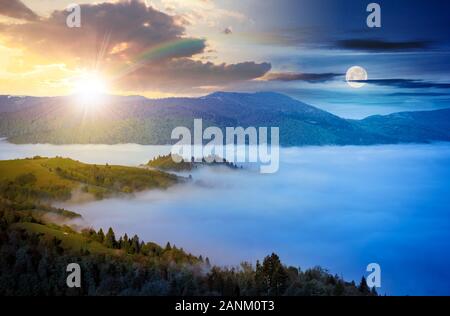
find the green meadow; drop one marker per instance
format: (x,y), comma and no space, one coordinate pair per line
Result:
(56,179)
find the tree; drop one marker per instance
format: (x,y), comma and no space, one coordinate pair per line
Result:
(259,279)
(339,288)
(274,275)
(135,245)
(374,291)
(110,239)
(363,288)
(101,235)
(126,243)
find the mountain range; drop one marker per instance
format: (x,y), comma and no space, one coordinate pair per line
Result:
(135,119)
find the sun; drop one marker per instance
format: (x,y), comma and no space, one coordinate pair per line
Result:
(90,87)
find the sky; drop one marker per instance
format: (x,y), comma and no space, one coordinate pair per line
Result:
(164,48)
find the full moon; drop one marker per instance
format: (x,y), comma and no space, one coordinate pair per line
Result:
(356,73)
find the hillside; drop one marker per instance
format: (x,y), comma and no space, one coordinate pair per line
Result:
(406,127)
(134,119)
(34,257)
(48,179)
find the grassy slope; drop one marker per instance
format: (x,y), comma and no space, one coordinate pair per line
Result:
(56,178)
(11,169)
(69,238)
(73,241)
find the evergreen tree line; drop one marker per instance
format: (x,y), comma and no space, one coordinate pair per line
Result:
(35,264)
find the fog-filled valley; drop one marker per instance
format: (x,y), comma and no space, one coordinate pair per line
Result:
(338,207)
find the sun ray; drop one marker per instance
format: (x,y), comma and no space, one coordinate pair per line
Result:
(90,88)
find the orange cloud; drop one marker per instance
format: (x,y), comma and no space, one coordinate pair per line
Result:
(134,45)
(16,9)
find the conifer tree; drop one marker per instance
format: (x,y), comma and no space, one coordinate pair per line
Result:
(101,235)
(339,288)
(126,243)
(374,291)
(274,275)
(135,245)
(363,288)
(110,239)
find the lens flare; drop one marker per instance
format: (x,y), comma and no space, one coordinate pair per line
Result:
(90,88)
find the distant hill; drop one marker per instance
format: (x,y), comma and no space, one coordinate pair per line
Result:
(167,163)
(134,119)
(420,126)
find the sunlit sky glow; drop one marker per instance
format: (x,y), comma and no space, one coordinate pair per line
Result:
(160,48)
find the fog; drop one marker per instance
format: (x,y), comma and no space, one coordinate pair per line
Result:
(123,154)
(338,207)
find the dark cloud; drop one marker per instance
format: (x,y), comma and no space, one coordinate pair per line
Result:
(184,73)
(16,9)
(309,77)
(323,22)
(120,30)
(130,42)
(406,83)
(374,45)
(419,94)
(228,30)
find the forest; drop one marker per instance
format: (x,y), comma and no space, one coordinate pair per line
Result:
(34,257)
(151,121)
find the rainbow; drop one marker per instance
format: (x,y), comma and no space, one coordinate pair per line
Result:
(171,49)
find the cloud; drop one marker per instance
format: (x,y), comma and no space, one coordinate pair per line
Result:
(104,27)
(228,30)
(185,74)
(294,76)
(374,45)
(419,94)
(203,13)
(406,83)
(16,9)
(135,44)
